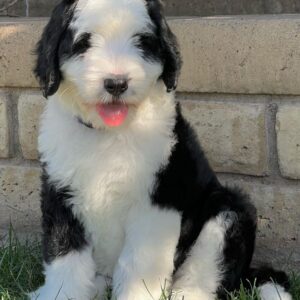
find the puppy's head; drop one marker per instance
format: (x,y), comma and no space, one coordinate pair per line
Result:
(103,58)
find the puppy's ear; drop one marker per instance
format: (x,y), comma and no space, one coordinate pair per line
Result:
(169,46)
(47,68)
(171,56)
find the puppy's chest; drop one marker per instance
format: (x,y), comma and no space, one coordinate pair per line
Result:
(108,177)
(109,188)
(103,203)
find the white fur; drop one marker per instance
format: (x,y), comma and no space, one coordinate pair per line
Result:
(146,263)
(68,277)
(272,291)
(201,273)
(102,285)
(104,16)
(110,171)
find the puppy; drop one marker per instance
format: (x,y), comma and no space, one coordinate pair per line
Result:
(128,198)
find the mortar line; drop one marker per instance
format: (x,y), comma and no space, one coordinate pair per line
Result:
(274,181)
(18,162)
(11,124)
(271,137)
(233,98)
(14,98)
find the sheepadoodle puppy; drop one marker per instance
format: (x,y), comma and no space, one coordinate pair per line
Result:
(128,199)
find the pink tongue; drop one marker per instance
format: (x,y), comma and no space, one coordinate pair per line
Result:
(113,114)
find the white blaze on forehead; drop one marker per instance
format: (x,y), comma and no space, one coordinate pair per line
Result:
(109,17)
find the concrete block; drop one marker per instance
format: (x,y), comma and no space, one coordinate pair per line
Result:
(4,131)
(30,108)
(232,135)
(278,238)
(249,55)
(288,140)
(33,8)
(18,39)
(19,198)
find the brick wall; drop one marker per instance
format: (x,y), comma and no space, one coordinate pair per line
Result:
(240,88)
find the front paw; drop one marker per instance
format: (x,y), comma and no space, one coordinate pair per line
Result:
(50,293)
(47,293)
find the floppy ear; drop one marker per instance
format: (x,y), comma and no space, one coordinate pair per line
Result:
(170,53)
(171,56)
(47,68)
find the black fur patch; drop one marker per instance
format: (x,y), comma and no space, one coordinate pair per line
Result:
(56,45)
(239,241)
(150,46)
(82,44)
(168,46)
(62,232)
(48,63)
(267,274)
(188,185)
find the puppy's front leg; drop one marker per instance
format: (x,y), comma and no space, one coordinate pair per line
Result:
(68,262)
(146,264)
(70,276)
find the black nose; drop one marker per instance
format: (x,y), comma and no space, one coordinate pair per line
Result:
(115,86)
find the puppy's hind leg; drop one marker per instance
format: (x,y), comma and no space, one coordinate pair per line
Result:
(221,255)
(201,274)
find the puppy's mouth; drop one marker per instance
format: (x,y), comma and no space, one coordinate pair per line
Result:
(113,114)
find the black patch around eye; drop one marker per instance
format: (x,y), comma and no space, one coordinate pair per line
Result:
(82,44)
(150,46)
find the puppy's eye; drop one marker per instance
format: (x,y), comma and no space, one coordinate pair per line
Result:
(82,44)
(150,46)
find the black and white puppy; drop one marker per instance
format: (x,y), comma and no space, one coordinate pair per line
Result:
(127,193)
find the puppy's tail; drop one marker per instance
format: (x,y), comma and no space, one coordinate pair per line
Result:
(271,284)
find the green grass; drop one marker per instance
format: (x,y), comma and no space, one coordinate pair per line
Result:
(21,272)
(20,267)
